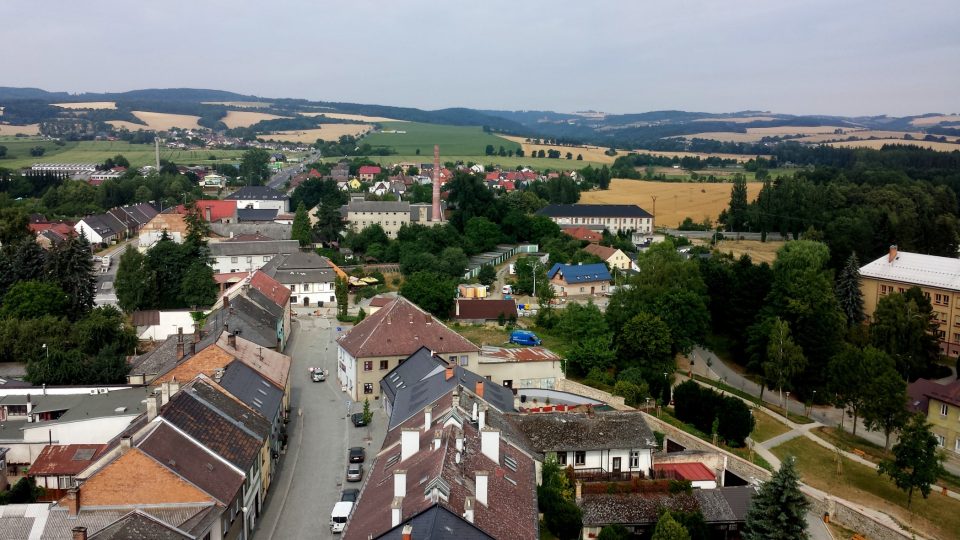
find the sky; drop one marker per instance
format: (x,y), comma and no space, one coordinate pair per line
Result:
(838,57)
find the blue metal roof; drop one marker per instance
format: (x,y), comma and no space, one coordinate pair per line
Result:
(580,273)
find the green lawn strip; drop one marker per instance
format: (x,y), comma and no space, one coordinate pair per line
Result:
(936,517)
(666,414)
(767,427)
(872,452)
(98,151)
(408,137)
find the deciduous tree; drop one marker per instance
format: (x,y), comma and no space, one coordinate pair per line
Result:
(135,283)
(255,166)
(668,529)
(917,459)
(34,299)
(784,358)
(885,408)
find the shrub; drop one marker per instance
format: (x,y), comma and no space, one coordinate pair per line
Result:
(701,407)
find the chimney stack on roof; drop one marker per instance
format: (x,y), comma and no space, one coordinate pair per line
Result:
(482,419)
(437,438)
(174,386)
(482,477)
(79,533)
(180,350)
(479,389)
(893,253)
(153,406)
(490,444)
(407,532)
(232,340)
(449,375)
(427,417)
(468,504)
(125,443)
(399,483)
(73,501)
(396,511)
(409,443)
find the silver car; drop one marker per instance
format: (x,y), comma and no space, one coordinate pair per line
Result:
(354,472)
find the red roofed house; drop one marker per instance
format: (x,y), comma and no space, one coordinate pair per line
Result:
(58,464)
(696,473)
(367,173)
(214,210)
(384,339)
(583,233)
(495,175)
(481,311)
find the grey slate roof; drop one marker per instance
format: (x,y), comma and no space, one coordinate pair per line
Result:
(59,525)
(251,321)
(273,230)
(594,210)
(437,523)
(263,247)
(249,387)
(137,525)
(409,372)
(257,193)
(164,357)
(256,214)
(300,267)
(413,395)
(548,432)
(726,504)
(127,402)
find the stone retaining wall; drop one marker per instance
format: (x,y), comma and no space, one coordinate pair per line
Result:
(566,385)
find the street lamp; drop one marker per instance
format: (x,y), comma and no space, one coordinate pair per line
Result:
(46,350)
(786,405)
(534,273)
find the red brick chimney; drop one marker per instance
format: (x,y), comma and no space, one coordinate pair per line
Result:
(73,502)
(893,253)
(449,374)
(79,533)
(407,532)
(479,389)
(179,350)
(232,340)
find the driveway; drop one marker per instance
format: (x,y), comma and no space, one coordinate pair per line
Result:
(312,473)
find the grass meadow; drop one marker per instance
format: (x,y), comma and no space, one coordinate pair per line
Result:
(18,153)
(453,140)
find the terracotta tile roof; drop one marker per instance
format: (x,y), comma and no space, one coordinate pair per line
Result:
(274,366)
(271,288)
(947,393)
(229,277)
(603,252)
(483,309)
(582,233)
(511,509)
(380,301)
(65,459)
(399,329)
(192,462)
(688,471)
(213,210)
(368,169)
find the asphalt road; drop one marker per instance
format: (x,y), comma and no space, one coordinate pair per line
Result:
(312,473)
(105,293)
(278,179)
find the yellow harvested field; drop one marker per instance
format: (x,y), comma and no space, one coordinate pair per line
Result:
(241,104)
(755,134)
(675,200)
(934,120)
(740,120)
(757,250)
(877,143)
(120,124)
(235,119)
(357,117)
(29,129)
(861,134)
(590,153)
(327,132)
(165,121)
(87,105)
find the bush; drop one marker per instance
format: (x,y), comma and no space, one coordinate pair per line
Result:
(632,393)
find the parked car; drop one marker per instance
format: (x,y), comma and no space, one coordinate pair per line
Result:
(349,495)
(354,472)
(357,419)
(357,454)
(524,337)
(318,375)
(340,515)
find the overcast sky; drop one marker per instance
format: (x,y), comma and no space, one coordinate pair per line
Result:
(846,57)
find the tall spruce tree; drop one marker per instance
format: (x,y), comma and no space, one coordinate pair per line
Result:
(70,265)
(135,283)
(778,511)
(737,217)
(848,291)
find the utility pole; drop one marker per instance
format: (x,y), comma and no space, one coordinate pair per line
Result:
(654,224)
(156,147)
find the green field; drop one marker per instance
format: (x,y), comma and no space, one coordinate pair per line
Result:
(505,163)
(18,153)
(453,140)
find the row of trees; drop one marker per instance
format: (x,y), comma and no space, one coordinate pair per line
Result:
(725,416)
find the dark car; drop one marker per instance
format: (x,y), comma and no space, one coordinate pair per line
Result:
(354,472)
(357,454)
(357,419)
(349,495)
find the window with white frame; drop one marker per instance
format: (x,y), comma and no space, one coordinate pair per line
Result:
(634,459)
(943,409)
(940,440)
(561,458)
(580,457)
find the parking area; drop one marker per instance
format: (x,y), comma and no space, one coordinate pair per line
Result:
(313,471)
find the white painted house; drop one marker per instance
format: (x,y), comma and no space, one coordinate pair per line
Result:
(260,198)
(602,442)
(231,256)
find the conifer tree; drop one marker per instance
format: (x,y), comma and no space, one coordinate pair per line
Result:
(301,226)
(778,511)
(848,291)
(70,265)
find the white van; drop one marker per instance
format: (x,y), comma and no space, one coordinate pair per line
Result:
(339,516)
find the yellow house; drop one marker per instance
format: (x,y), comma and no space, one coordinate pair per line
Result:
(614,257)
(937,277)
(941,404)
(354,184)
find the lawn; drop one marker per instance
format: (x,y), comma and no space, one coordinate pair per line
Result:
(408,137)
(98,151)
(767,427)
(666,414)
(935,517)
(872,452)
